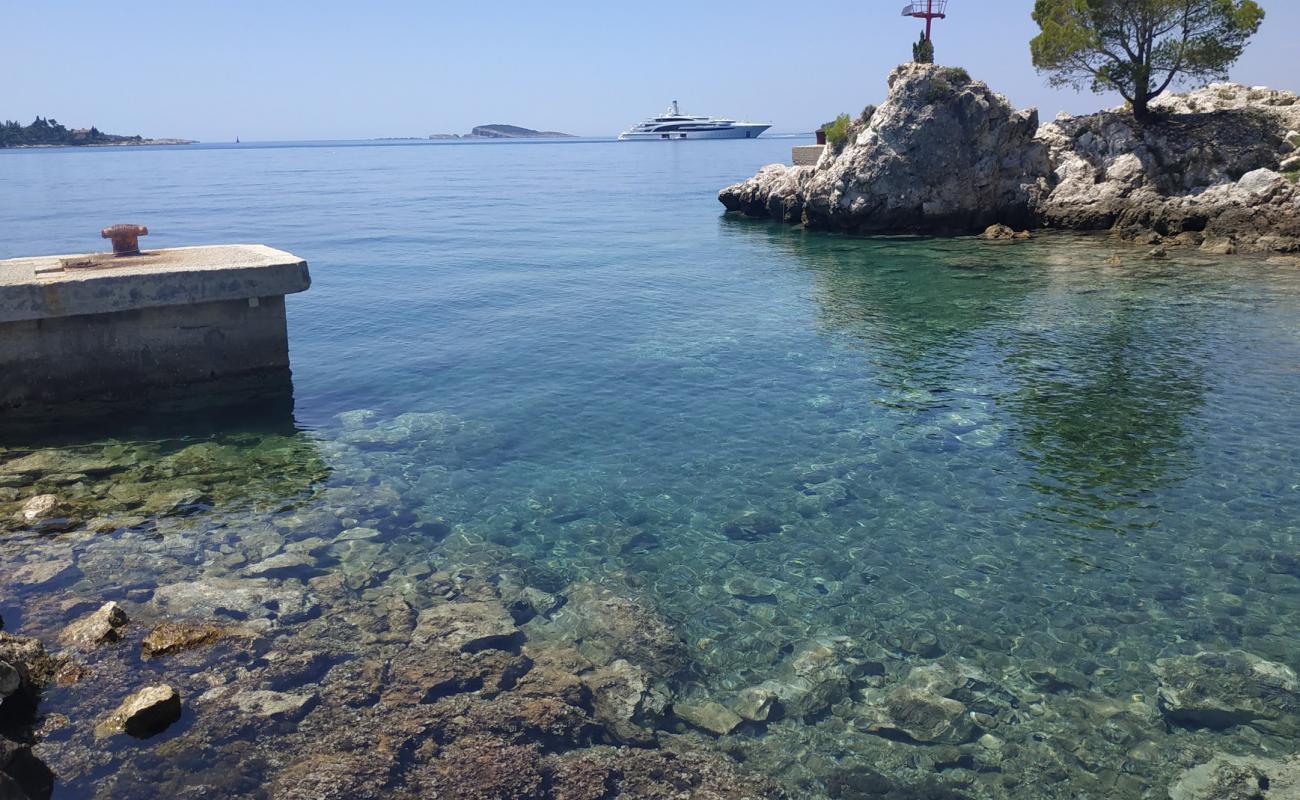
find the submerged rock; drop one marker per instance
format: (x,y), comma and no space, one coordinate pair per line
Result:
(626,699)
(35,573)
(751,526)
(467,626)
(39,508)
(810,680)
(100,626)
(265,703)
(709,716)
(924,708)
(146,713)
(170,637)
(654,774)
(1220,690)
(256,602)
(605,626)
(1240,778)
(755,703)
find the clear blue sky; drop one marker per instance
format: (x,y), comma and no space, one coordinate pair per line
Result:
(284,69)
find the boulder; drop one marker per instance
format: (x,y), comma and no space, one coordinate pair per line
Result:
(40,507)
(146,713)
(1224,689)
(1260,181)
(98,627)
(1001,233)
(942,153)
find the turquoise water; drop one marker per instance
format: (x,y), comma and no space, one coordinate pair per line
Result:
(1013,455)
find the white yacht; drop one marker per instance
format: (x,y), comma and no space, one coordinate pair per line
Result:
(673,124)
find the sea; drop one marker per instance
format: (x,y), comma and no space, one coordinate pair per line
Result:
(1045,466)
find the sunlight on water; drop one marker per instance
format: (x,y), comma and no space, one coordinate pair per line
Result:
(561,364)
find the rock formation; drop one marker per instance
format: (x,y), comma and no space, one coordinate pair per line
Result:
(944,153)
(1208,169)
(24,670)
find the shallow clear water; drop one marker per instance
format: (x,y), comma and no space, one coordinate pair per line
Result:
(1015,454)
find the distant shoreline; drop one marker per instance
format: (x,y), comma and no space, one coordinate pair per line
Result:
(133,143)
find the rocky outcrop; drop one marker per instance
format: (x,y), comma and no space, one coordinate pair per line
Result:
(943,153)
(25,669)
(1210,169)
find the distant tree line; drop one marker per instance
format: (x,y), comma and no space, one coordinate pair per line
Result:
(50,132)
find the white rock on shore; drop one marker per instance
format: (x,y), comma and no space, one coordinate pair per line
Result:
(944,153)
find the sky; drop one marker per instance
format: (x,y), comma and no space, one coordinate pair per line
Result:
(267,70)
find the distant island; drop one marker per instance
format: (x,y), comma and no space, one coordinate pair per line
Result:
(49,133)
(504,132)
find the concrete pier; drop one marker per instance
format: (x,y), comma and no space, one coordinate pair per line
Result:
(86,326)
(806,155)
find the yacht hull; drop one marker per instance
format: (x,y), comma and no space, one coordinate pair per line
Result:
(731,132)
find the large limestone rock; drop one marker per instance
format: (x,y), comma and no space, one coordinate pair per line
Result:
(1208,169)
(1219,166)
(1221,690)
(942,153)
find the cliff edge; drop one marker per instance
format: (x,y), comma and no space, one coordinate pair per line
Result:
(945,154)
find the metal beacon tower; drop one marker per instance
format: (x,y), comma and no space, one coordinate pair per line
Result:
(928,10)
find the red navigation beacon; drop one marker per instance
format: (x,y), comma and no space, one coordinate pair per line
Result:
(928,10)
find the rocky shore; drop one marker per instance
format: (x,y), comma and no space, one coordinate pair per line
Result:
(287,618)
(945,154)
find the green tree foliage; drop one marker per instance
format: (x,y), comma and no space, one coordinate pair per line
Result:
(1140,47)
(50,132)
(837,132)
(923,51)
